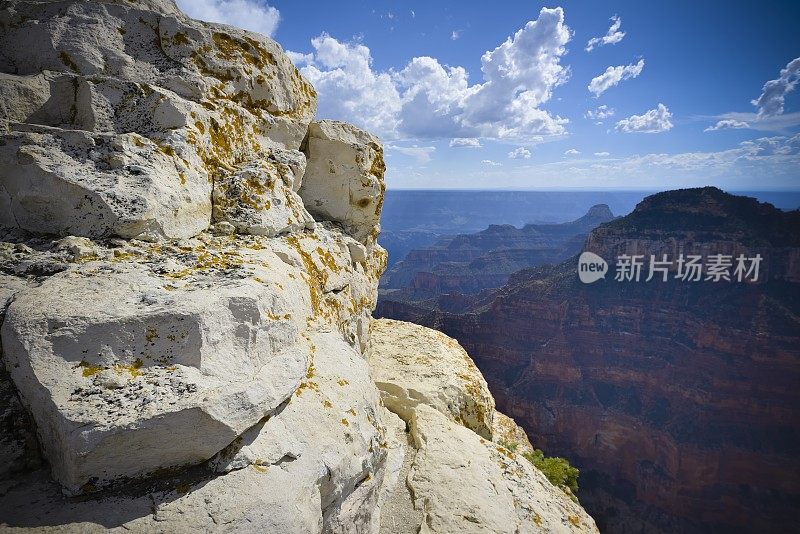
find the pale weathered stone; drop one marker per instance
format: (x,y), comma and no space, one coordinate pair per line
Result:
(343,181)
(467,484)
(414,365)
(123,375)
(509,434)
(315,466)
(195,100)
(260,198)
(61,182)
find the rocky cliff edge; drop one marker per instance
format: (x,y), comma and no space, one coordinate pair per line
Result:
(188,266)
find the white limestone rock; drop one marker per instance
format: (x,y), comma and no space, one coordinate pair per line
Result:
(414,365)
(507,433)
(260,198)
(127,369)
(131,348)
(343,291)
(117,117)
(464,483)
(315,465)
(343,181)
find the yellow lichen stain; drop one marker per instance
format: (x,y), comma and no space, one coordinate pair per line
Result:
(260,466)
(180,38)
(574,520)
(133,369)
(182,178)
(345,422)
(89,369)
(327,404)
(351,412)
(200,127)
(342,382)
(537,519)
(313,386)
(67,60)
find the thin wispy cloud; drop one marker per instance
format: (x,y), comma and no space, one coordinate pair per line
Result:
(612,36)
(465,142)
(421,153)
(601,113)
(727,124)
(520,153)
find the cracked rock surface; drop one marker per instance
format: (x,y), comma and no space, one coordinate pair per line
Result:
(188,267)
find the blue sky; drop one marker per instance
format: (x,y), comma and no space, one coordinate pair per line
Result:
(501,95)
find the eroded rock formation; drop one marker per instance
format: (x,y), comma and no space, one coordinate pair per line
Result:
(188,266)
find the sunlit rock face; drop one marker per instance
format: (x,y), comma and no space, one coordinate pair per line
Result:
(188,267)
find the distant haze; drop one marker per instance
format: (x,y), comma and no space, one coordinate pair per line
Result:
(449,212)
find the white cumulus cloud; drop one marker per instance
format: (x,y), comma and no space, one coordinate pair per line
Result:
(455,35)
(612,36)
(426,99)
(601,113)
(727,124)
(613,75)
(254,15)
(602,154)
(298,58)
(520,153)
(465,142)
(572,152)
(653,121)
(349,89)
(491,163)
(774,91)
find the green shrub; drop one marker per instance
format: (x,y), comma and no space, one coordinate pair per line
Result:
(556,469)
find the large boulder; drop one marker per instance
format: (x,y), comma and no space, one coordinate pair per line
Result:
(124,372)
(118,118)
(316,465)
(147,357)
(414,365)
(343,181)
